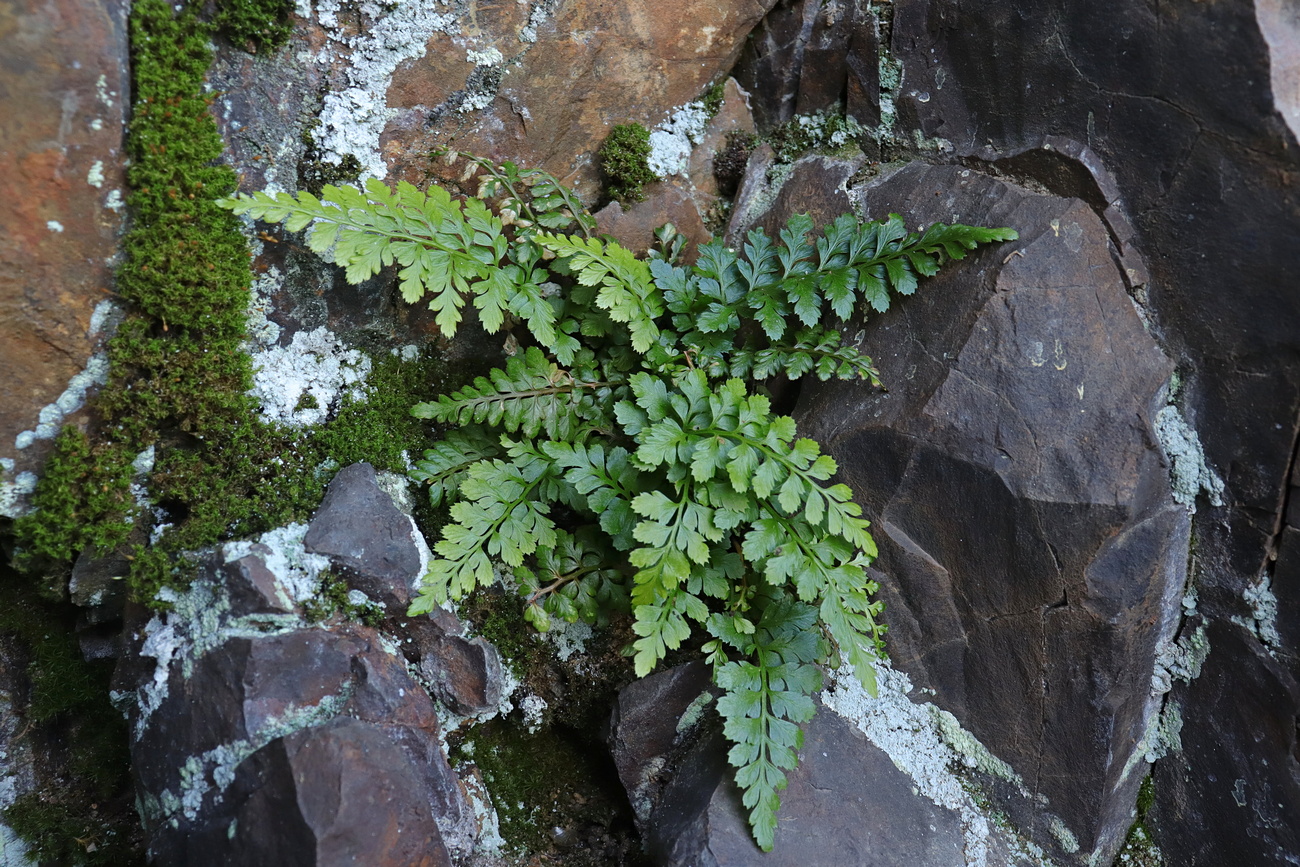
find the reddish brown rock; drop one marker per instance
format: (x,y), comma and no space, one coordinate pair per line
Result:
(593,65)
(63,89)
(667,202)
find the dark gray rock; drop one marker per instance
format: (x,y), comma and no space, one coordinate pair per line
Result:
(797,60)
(1207,171)
(1030,545)
(341,793)
(252,733)
(367,537)
(846,803)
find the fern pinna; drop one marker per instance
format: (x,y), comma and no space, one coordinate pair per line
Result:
(637,406)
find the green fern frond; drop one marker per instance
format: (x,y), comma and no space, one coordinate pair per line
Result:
(682,497)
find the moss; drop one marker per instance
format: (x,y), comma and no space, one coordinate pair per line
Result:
(729,163)
(332,601)
(1139,849)
(84,499)
(712,98)
(81,812)
(823,132)
(624,160)
(314,171)
(260,25)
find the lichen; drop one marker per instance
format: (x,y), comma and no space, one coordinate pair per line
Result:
(909,733)
(353,118)
(1263,613)
(1189,473)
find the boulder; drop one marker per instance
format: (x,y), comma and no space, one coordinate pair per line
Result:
(243,713)
(1029,542)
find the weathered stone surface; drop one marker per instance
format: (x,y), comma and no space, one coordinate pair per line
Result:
(364,534)
(816,186)
(666,202)
(1021,389)
(1208,173)
(1240,708)
(239,712)
(797,61)
(592,66)
(464,673)
(63,88)
(254,588)
(336,794)
(734,117)
(846,803)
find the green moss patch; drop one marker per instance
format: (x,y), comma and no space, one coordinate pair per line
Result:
(624,160)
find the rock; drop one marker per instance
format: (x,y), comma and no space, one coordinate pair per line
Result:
(815,185)
(241,714)
(1023,387)
(846,803)
(797,60)
(551,103)
(1208,175)
(335,794)
(1213,776)
(65,87)
(666,202)
(253,587)
(644,729)
(464,673)
(734,117)
(368,538)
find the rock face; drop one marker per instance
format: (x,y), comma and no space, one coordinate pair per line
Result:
(63,94)
(1029,539)
(1207,172)
(848,802)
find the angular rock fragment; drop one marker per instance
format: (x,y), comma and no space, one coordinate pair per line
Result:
(367,537)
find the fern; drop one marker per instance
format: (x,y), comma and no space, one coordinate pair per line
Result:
(624,461)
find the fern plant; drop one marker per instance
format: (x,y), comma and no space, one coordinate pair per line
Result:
(628,459)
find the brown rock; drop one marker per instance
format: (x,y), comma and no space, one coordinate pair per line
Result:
(734,116)
(593,65)
(464,673)
(666,202)
(63,93)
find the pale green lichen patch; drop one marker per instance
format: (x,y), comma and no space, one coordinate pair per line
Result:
(1189,473)
(909,733)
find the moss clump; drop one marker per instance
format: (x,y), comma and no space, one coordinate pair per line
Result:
(259,25)
(1139,849)
(624,158)
(712,98)
(83,500)
(730,162)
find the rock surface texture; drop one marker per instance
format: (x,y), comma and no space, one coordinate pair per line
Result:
(1029,539)
(64,94)
(1205,165)
(257,734)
